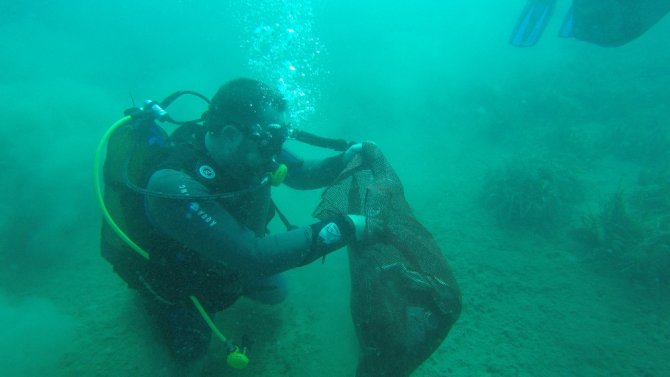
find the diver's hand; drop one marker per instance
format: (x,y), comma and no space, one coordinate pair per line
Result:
(334,230)
(339,230)
(367,229)
(350,153)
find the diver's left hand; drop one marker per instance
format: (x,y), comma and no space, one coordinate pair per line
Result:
(350,153)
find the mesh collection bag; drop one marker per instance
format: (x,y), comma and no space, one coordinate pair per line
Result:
(404,297)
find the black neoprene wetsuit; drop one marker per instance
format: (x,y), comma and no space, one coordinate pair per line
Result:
(214,249)
(231,232)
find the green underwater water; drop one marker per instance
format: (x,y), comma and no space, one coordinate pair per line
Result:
(543,173)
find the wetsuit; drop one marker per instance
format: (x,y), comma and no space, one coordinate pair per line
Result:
(231,231)
(216,249)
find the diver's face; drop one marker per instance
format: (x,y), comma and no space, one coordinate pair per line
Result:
(249,154)
(259,147)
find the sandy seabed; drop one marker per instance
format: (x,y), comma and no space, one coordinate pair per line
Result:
(533,306)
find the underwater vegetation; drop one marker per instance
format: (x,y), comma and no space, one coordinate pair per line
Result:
(648,143)
(531,194)
(631,232)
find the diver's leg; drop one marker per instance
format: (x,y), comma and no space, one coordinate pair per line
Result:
(183,329)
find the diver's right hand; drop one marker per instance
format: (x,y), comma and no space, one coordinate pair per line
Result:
(339,230)
(367,229)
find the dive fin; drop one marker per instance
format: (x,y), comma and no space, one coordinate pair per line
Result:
(531,23)
(568,24)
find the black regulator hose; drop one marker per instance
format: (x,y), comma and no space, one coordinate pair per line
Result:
(339,145)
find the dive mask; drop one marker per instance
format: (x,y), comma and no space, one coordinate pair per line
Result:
(269,137)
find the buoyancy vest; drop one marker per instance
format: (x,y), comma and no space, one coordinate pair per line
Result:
(173,272)
(247,201)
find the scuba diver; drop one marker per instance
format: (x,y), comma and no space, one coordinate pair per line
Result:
(608,23)
(195,206)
